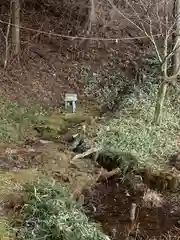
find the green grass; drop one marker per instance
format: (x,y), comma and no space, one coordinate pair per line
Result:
(50,213)
(5,233)
(15,120)
(133,132)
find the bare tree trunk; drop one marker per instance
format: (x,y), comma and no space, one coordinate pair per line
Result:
(7,43)
(160,102)
(176,60)
(15,27)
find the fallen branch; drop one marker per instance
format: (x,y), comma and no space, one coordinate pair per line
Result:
(87,153)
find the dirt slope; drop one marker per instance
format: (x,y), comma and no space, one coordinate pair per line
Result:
(51,65)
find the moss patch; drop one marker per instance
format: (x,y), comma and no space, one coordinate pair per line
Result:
(17,120)
(56,124)
(5,233)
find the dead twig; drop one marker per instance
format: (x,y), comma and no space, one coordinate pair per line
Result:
(7,43)
(106,175)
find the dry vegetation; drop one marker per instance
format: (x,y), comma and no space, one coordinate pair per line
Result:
(51,64)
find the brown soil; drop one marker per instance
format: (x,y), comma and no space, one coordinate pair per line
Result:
(49,66)
(48,158)
(110,204)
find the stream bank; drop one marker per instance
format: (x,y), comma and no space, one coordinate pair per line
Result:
(110,204)
(107,199)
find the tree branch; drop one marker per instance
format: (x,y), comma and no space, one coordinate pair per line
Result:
(124,16)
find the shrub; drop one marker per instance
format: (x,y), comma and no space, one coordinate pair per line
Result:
(50,213)
(106,89)
(152,67)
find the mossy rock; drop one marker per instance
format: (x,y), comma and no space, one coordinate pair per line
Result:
(57,124)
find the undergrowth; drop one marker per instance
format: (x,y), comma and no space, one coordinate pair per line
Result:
(15,120)
(133,132)
(50,213)
(105,90)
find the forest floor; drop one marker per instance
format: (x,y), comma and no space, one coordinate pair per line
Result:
(107,201)
(33,147)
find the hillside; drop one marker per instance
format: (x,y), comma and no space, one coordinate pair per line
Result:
(109,170)
(51,65)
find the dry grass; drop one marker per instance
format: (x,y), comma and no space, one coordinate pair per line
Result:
(174,234)
(12,197)
(152,199)
(11,182)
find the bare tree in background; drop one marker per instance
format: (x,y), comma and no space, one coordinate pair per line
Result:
(153,19)
(15,27)
(6,38)
(177,33)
